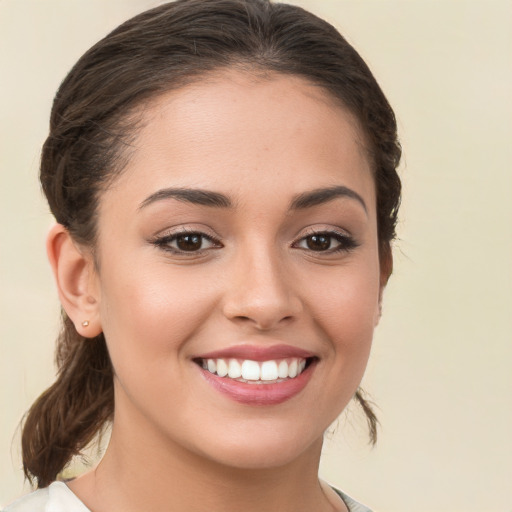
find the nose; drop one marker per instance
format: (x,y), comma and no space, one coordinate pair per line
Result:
(260,292)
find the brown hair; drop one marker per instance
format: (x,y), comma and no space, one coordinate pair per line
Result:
(91,123)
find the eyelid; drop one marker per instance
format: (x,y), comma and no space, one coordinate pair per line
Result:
(346,241)
(163,239)
(318,229)
(185,229)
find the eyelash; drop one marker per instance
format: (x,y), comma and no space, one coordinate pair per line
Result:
(346,243)
(165,241)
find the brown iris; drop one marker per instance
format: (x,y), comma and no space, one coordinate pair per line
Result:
(189,242)
(318,242)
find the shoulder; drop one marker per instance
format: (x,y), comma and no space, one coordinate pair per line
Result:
(352,505)
(34,502)
(55,498)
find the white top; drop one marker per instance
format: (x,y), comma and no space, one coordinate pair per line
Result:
(58,497)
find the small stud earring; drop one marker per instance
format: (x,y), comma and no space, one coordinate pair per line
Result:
(85,323)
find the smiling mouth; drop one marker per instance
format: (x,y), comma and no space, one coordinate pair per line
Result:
(256,372)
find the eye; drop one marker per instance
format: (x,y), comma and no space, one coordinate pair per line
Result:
(187,242)
(326,241)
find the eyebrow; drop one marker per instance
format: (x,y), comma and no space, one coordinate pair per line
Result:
(189,195)
(217,200)
(323,195)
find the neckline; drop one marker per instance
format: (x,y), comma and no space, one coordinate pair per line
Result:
(62,486)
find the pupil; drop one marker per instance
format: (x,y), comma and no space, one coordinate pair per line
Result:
(189,242)
(319,242)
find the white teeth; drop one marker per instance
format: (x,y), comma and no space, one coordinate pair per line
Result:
(235,370)
(292,369)
(249,370)
(222,368)
(282,369)
(269,370)
(212,366)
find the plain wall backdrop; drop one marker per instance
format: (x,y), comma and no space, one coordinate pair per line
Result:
(440,371)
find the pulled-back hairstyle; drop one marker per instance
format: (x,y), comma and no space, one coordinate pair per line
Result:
(91,124)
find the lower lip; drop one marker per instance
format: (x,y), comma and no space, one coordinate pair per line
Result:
(259,394)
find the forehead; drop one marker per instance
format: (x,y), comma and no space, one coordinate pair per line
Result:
(236,128)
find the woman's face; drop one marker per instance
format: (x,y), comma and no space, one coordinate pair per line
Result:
(241,237)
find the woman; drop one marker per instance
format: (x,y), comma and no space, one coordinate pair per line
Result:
(223,176)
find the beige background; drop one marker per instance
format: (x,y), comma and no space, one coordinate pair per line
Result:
(441,367)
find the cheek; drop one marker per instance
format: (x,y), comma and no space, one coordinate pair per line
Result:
(150,316)
(346,306)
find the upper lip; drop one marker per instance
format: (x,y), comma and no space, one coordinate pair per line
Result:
(257,353)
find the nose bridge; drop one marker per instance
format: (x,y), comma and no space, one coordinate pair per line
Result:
(260,289)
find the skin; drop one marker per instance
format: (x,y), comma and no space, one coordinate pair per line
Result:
(261,142)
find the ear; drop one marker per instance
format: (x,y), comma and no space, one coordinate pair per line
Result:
(386,268)
(76,280)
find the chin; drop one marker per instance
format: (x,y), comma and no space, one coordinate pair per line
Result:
(266,448)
